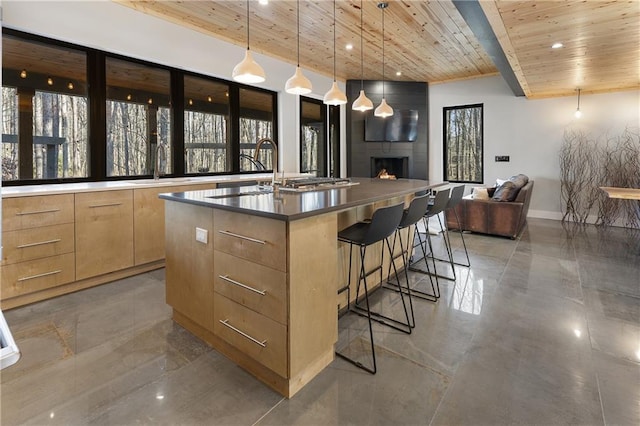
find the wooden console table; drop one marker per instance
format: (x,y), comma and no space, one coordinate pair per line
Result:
(622,193)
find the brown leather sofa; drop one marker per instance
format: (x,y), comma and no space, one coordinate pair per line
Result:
(503,218)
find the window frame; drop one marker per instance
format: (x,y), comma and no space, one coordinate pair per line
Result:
(97,132)
(445,142)
(324,116)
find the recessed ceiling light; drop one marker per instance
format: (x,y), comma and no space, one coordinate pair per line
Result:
(349,46)
(557,45)
(398,73)
(263,2)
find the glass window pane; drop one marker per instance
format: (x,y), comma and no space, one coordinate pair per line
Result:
(206,118)
(9,133)
(313,147)
(45,111)
(256,122)
(463,143)
(138,118)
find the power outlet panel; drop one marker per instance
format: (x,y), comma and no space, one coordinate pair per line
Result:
(502,158)
(202,235)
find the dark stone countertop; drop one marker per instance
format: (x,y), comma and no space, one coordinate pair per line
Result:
(287,205)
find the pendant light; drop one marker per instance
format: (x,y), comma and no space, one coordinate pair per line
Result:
(248,71)
(334,96)
(362,103)
(298,84)
(383,110)
(578,113)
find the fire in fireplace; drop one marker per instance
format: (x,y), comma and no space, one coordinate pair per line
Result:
(394,166)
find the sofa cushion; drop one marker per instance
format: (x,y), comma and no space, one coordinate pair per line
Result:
(508,191)
(520,180)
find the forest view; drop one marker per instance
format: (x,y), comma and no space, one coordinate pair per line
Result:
(463,144)
(60,142)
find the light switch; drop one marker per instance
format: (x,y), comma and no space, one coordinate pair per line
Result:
(202,235)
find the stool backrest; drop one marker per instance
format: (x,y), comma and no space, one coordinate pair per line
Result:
(440,203)
(384,222)
(456,196)
(416,210)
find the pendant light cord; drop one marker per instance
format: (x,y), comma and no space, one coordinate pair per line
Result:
(298,4)
(334,41)
(361,52)
(383,51)
(247,24)
(578,98)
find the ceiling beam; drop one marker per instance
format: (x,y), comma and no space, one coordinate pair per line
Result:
(474,16)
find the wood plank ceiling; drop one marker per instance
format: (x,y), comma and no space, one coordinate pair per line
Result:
(430,41)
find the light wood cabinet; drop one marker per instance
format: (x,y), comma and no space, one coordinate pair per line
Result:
(104,232)
(274,302)
(148,221)
(38,244)
(189,263)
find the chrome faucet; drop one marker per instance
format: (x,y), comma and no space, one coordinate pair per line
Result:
(273,143)
(156,170)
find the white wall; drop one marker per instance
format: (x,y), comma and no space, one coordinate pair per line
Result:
(114,28)
(529,131)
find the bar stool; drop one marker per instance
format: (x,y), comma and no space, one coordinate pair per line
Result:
(439,204)
(410,217)
(454,200)
(383,223)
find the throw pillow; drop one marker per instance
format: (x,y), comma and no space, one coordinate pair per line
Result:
(520,180)
(508,191)
(480,194)
(499,182)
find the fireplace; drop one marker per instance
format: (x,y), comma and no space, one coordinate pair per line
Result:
(397,166)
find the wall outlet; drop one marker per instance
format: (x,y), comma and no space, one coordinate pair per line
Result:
(202,235)
(502,158)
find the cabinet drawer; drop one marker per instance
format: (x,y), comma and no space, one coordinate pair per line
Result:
(258,239)
(34,275)
(257,336)
(257,287)
(33,212)
(36,243)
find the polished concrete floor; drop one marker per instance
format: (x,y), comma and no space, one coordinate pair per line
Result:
(541,330)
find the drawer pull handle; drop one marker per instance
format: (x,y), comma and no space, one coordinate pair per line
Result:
(57,240)
(37,212)
(231,234)
(243,334)
(104,205)
(239,284)
(39,275)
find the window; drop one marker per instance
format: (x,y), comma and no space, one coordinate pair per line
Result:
(206,120)
(138,118)
(256,122)
(313,136)
(463,143)
(71,113)
(45,111)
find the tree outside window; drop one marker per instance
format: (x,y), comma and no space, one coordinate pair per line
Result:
(463,143)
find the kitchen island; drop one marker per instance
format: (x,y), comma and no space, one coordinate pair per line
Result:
(255,273)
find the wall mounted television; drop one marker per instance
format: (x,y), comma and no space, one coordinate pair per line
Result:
(402,126)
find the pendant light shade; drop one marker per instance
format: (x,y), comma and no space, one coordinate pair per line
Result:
(383,110)
(298,84)
(362,103)
(334,96)
(248,71)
